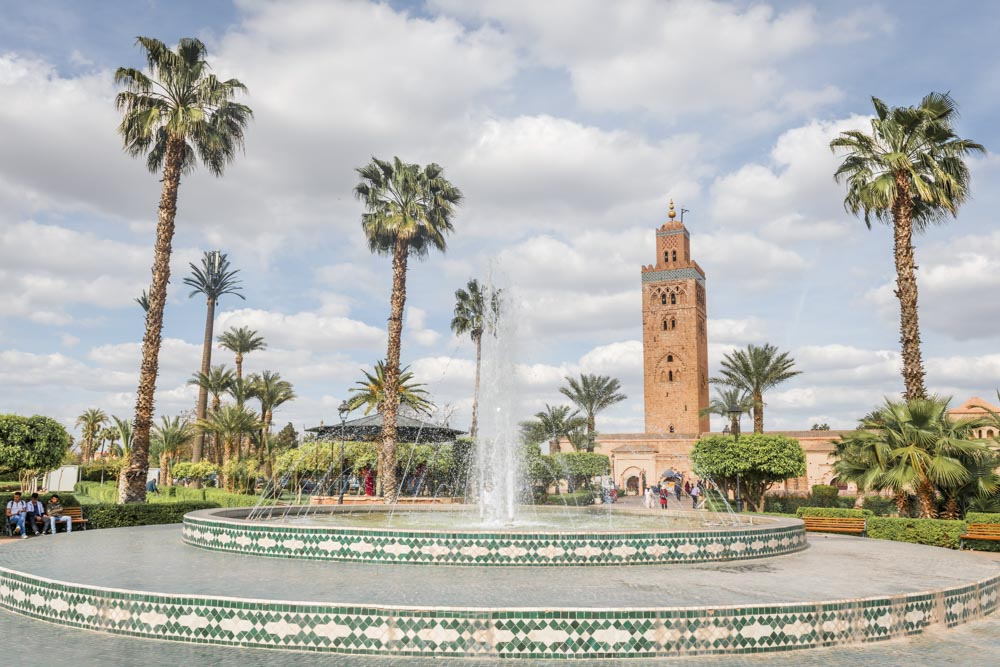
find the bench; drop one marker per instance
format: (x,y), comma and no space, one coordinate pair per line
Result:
(75,513)
(980,531)
(835,524)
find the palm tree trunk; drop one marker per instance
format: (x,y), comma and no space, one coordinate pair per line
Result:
(906,290)
(132,480)
(164,470)
(902,500)
(591,427)
(227,454)
(239,365)
(206,366)
(758,412)
(475,388)
(951,509)
(391,405)
(927,496)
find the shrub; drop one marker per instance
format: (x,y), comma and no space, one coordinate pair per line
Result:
(67,499)
(933,532)
(31,445)
(833,512)
(584,497)
(96,471)
(203,470)
(102,493)
(824,496)
(759,460)
(879,505)
(107,515)
(226,499)
(785,504)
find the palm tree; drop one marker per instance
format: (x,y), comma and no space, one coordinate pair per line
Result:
(124,429)
(271,391)
(91,422)
(727,402)
(170,436)
(229,423)
(371,393)
(218,381)
(909,172)
(212,279)
(174,116)
(554,423)
(241,341)
(473,316)
(408,210)
(591,394)
(110,435)
(143,301)
(755,370)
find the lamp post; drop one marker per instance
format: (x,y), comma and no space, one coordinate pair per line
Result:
(734,417)
(343,410)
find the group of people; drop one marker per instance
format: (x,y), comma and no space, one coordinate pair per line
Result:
(32,515)
(674,487)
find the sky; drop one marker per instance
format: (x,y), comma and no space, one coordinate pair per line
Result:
(567,125)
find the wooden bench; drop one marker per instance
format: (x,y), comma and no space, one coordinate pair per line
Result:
(989,532)
(75,513)
(835,524)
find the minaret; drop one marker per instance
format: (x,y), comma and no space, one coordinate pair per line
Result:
(674,335)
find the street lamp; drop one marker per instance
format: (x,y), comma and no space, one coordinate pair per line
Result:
(734,417)
(343,410)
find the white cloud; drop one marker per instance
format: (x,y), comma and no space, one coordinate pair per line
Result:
(304,329)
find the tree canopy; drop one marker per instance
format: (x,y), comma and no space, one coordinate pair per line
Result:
(31,444)
(760,461)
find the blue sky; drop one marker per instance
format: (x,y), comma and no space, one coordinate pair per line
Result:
(568,126)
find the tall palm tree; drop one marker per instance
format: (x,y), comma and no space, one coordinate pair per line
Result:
(408,210)
(91,422)
(177,114)
(553,423)
(475,311)
(110,435)
(370,392)
(229,423)
(271,391)
(212,279)
(241,341)
(909,173)
(592,394)
(726,402)
(218,381)
(171,435)
(755,370)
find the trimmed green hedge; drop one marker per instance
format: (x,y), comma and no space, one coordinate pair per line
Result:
(934,532)
(108,515)
(67,499)
(879,505)
(576,498)
(831,512)
(108,493)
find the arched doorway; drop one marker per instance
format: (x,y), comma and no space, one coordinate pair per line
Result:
(632,486)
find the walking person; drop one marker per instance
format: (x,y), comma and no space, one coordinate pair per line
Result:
(664,496)
(678,489)
(648,499)
(694,493)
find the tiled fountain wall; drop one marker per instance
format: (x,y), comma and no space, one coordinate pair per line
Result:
(513,633)
(221,530)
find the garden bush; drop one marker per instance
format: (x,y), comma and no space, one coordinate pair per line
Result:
(880,505)
(933,532)
(226,499)
(108,515)
(824,496)
(785,504)
(833,512)
(584,497)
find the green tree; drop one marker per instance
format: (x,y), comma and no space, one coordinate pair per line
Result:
(592,394)
(229,423)
(755,370)
(476,310)
(579,468)
(552,424)
(759,460)
(287,438)
(172,434)
(124,429)
(408,210)
(241,341)
(212,279)
(177,114)
(272,392)
(820,427)
(218,381)
(90,422)
(908,173)
(727,401)
(31,445)
(371,392)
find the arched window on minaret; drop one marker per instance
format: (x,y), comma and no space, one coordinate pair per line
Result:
(663,299)
(666,256)
(675,256)
(671,428)
(665,327)
(673,323)
(673,299)
(670,358)
(670,376)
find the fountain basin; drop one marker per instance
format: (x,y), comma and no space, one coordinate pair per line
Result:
(559,537)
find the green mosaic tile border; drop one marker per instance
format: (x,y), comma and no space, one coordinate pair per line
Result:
(208,531)
(511,633)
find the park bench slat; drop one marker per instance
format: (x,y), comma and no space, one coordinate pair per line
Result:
(834,524)
(982,531)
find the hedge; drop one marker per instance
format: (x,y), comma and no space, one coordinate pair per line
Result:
(575,498)
(108,515)
(880,505)
(108,493)
(830,512)
(933,532)
(67,499)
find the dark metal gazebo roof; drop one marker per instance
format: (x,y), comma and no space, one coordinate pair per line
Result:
(369,428)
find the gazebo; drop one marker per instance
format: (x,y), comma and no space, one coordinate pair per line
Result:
(369,428)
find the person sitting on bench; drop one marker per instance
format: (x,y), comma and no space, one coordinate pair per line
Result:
(55,509)
(15,514)
(34,517)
